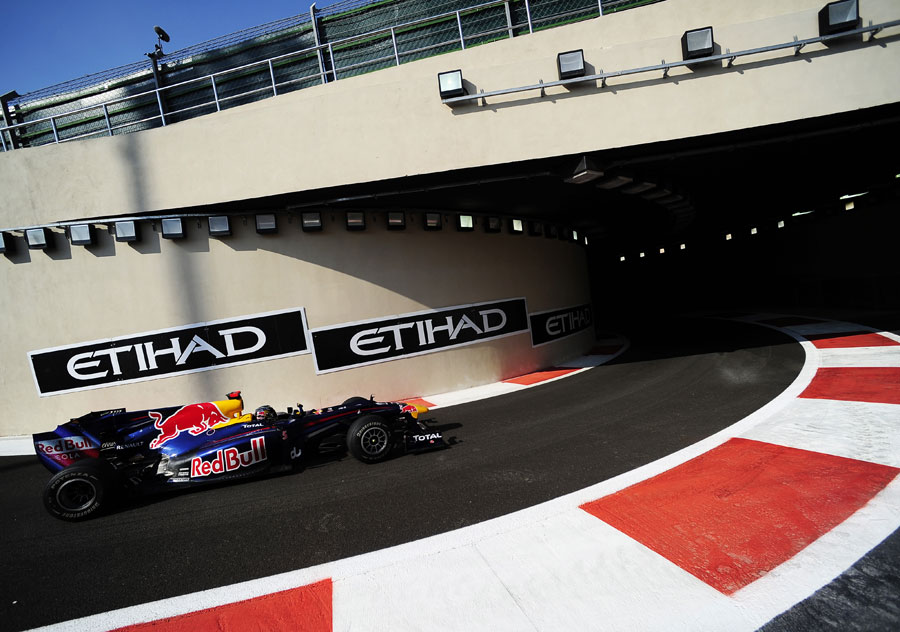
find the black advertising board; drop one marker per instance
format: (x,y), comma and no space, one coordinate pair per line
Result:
(351,345)
(559,323)
(168,352)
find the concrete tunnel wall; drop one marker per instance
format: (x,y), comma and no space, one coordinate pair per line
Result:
(382,125)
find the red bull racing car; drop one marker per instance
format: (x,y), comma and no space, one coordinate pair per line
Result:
(99,453)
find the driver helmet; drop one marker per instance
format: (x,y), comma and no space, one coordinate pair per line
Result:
(265,413)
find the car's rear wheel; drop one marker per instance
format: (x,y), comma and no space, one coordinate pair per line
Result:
(77,492)
(370,439)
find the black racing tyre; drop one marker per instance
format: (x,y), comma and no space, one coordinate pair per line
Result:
(370,439)
(77,492)
(352,401)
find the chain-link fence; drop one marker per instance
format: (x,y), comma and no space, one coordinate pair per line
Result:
(344,39)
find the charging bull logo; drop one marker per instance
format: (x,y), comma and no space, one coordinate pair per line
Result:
(193,418)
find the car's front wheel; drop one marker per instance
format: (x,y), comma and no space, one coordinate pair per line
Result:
(370,439)
(77,492)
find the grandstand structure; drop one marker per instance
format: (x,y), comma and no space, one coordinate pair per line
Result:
(166,232)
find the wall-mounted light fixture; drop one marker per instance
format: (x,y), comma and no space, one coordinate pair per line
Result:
(585,171)
(638,187)
(614,182)
(356,220)
(450,84)
(172,228)
(465,223)
(127,231)
(81,234)
(396,220)
(837,17)
(535,229)
(516,226)
(266,224)
(432,221)
(697,43)
(5,243)
(219,226)
(37,238)
(551,231)
(311,221)
(570,64)
(492,225)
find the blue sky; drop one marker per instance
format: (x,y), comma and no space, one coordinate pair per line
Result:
(47,42)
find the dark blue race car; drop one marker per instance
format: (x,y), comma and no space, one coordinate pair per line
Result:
(100,453)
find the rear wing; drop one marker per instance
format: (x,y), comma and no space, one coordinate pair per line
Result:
(64,446)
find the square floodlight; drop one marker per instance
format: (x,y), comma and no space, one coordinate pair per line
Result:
(697,43)
(574,235)
(516,227)
(432,221)
(311,221)
(266,224)
(837,17)
(396,220)
(450,84)
(551,231)
(465,223)
(356,220)
(37,238)
(81,234)
(127,231)
(570,64)
(535,229)
(219,226)
(172,228)
(492,225)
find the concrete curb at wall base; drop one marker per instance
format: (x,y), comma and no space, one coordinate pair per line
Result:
(614,552)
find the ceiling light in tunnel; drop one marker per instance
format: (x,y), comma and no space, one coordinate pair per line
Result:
(172,228)
(432,221)
(614,182)
(570,64)
(219,226)
(356,220)
(492,225)
(311,221)
(642,255)
(800,213)
(697,43)
(127,231)
(516,227)
(728,237)
(850,196)
(781,223)
(662,251)
(638,187)
(837,17)
(81,234)
(465,223)
(849,206)
(396,220)
(551,231)
(683,246)
(584,171)
(535,229)
(753,231)
(450,84)
(266,224)
(621,258)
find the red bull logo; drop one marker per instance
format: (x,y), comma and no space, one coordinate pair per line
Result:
(230,459)
(193,418)
(66,450)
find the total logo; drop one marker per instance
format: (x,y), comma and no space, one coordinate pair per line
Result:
(426,437)
(230,459)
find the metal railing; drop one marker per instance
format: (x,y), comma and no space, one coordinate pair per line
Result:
(666,67)
(325,58)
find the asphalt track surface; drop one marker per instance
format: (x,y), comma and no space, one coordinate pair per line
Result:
(679,382)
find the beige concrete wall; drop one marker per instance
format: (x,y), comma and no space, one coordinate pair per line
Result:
(391,123)
(76,294)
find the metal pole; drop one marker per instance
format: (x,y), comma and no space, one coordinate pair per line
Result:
(3,138)
(106,117)
(212,79)
(600,6)
(462,41)
(528,13)
(53,125)
(333,65)
(394,42)
(315,28)
(162,116)
(508,20)
(272,75)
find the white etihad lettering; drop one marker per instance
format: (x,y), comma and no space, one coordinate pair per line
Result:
(428,331)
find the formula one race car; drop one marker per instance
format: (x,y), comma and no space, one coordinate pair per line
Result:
(100,453)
